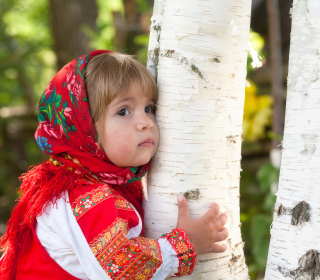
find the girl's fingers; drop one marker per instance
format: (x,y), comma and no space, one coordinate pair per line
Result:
(213,213)
(215,248)
(183,209)
(221,221)
(222,234)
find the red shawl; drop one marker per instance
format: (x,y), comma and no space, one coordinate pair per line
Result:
(65,126)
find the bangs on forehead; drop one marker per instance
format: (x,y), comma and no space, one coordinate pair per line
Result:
(147,85)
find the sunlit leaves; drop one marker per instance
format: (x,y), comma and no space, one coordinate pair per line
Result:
(257,114)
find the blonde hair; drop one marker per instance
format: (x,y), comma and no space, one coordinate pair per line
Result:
(110,74)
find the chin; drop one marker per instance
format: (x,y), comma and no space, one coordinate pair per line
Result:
(140,162)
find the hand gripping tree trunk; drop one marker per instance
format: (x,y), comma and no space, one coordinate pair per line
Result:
(295,248)
(198,53)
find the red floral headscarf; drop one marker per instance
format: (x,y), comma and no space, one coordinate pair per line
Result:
(66,125)
(67,132)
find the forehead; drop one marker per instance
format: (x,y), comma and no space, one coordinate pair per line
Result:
(133,94)
(134,91)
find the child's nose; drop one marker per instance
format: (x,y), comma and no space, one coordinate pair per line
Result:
(144,122)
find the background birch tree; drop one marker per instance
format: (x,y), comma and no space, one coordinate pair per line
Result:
(294,248)
(197,52)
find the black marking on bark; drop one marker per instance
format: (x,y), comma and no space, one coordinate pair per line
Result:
(234,258)
(207,260)
(301,213)
(231,139)
(184,60)
(280,210)
(157,27)
(196,69)
(169,53)
(192,194)
(284,210)
(215,59)
(309,267)
(156,61)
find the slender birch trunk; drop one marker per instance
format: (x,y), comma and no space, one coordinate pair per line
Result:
(198,53)
(294,249)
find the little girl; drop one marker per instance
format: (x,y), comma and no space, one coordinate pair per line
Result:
(80,215)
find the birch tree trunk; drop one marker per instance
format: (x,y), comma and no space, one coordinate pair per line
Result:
(198,53)
(295,247)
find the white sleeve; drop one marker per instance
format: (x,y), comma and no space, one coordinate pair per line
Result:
(61,236)
(170,262)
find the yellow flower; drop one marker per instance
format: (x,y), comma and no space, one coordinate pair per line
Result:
(113,230)
(185,257)
(99,246)
(132,247)
(152,242)
(185,270)
(257,113)
(77,209)
(94,250)
(97,196)
(155,260)
(121,259)
(181,247)
(123,227)
(121,203)
(140,277)
(153,253)
(147,271)
(107,237)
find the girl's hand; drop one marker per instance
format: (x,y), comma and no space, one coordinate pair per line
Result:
(205,231)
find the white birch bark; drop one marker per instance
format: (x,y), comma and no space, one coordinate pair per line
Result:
(198,52)
(295,235)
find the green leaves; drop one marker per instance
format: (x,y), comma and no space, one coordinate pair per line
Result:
(54,107)
(267,175)
(260,235)
(134,170)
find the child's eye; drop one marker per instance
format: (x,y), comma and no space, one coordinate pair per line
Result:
(150,109)
(123,112)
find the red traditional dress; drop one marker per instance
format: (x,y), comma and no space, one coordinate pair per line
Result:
(80,216)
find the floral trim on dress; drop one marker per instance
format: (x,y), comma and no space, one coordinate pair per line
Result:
(121,258)
(87,201)
(184,249)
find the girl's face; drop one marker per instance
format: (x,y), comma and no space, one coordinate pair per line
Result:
(130,132)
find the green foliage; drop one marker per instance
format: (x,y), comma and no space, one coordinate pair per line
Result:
(27,63)
(26,56)
(257,203)
(267,175)
(104,37)
(259,232)
(142,40)
(143,6)
(257,43)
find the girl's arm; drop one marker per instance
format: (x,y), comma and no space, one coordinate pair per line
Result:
(112,227)
(94,234)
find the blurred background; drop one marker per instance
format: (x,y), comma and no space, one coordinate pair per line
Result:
(38,37)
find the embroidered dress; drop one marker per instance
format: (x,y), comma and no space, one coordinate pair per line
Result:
(79,215)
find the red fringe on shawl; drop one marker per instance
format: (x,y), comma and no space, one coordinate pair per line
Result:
(41,186)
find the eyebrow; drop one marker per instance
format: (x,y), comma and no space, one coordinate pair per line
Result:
(125,99)
(122,100)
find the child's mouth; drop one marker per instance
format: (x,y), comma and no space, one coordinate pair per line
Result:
(147,143)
